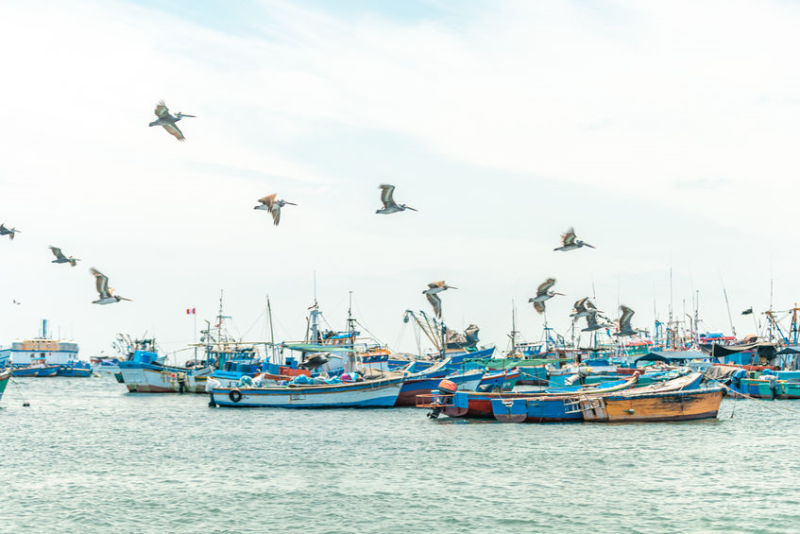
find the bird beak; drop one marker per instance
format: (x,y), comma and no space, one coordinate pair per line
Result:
(588,245)
(410,208)
(290,203)
(184,115)
(123,298)
(557,293)
(452,287)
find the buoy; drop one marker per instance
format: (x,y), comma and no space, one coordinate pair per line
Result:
(447,387)
(631,411)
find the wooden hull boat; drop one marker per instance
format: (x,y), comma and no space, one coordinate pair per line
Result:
(683,405)
(479,405)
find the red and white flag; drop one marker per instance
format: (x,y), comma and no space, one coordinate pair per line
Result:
(190,311)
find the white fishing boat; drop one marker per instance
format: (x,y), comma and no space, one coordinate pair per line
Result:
(361,394)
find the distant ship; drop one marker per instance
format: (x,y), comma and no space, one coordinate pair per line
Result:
(44,352)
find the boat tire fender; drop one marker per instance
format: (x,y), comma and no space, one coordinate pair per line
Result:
(235,395)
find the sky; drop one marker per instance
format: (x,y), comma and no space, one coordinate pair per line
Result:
(665,133)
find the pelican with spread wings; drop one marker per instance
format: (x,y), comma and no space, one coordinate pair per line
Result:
(61,258)
(569,242)
(168,120)
(583,308)
(10,232)
(543,294)
(107,295)
(433,298)
(624,323)
(389,205)
(273,205)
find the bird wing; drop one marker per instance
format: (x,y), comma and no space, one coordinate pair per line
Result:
(3,229)
(545,286)
(538,306)
(101,282)
(627,313)
(268,200)
(175,131)
(591,320)
(161,109)
(580,306)
(276,214)
(568,237)
(436,302)
(386,194)
(57,252)
(590,305)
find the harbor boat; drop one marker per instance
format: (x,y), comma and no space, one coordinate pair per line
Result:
(75,369)
(144,372)
(682,405)
(5,377)
(499,380)
(380,393)
(574,406)
(38,368)
(43,356)
(479,405)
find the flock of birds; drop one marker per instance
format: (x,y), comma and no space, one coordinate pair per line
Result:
(270,203)
(583,308)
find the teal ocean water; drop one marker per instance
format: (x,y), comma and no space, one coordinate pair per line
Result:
(87,456)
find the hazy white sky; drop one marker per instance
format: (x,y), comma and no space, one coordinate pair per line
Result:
(665,133)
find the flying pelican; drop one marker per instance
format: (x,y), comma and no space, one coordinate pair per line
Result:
(543,294)
(60,258)
(433,298)
(389,205)
(568,241)
(583,308)
(274,206)
(16,302)
(8,231)
(591,323)
(107,295)
(168,121)
(624,323)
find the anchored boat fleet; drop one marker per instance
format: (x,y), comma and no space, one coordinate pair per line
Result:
(546,381)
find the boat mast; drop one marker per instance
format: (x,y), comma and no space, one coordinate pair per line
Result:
(271,333)
(513,329)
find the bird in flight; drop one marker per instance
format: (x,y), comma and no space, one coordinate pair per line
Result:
(168,120)
(60,258)
(543,294)
(624,323)
(433,298)
(273,205)
(107,295)
(389,205)
(10,232)
(568,242)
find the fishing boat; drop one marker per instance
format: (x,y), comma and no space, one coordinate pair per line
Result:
(75,369)
(144,372)
(574,406)
(38,368)
(479,405)
(380,393)
(682,405)
(5,377)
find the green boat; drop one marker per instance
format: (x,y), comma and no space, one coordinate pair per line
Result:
(5,376)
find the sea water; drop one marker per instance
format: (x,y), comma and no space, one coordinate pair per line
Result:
(86,456)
